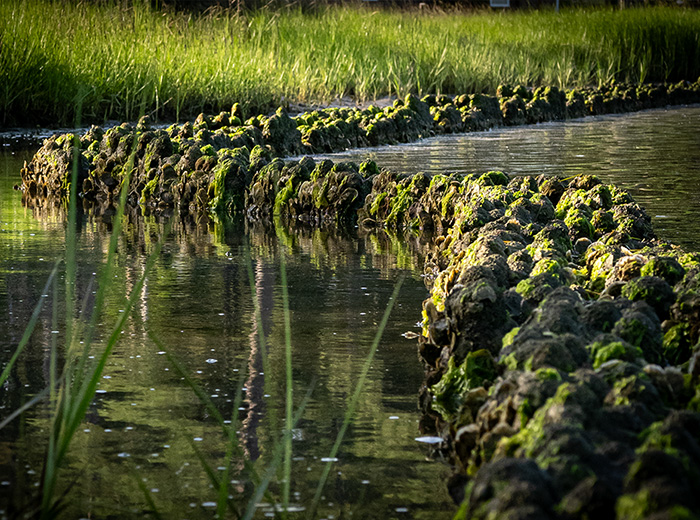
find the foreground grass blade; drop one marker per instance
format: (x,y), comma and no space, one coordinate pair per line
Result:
(233,447)
(72,406)
(352,405)
(223,502)
(30,326)
(80,378)
(289,403)
(71,234)
(276,459)
(147,495)
(26,406)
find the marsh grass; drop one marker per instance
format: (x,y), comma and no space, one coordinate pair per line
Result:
(109,56)
(73,381)
(72,392)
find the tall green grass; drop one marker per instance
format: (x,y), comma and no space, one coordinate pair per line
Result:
(72,391)
(108,57)
(73,381)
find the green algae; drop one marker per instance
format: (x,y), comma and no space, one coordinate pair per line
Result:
(510,337)
(229,177)
(601,352)
(627,389)
(548,374)
(528,287)
(148,190)
(553,266)
(677,343)
(578,222)
(664,267)
(634,506)
(478,369)
(531,435)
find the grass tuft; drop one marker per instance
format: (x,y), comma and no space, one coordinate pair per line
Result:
(183,64)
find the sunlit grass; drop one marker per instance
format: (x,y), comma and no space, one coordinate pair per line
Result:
(109,57)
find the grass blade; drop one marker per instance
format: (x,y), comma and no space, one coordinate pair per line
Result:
(26,406)
(350,411)
(147,495)
(286,483)
(276,459)
(30,326)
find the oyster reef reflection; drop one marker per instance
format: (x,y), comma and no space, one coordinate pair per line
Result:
(146,424)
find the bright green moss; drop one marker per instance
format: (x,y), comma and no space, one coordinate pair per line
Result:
(567,202)
(368,168)
(602,352)
(208,150)
(577,221)
(478,369)
(284,195)
(510,337)
(531,435)
(633,506)
(548,374)
(493,178)
(667,268)
(148,190)
(526,287)
(548,265)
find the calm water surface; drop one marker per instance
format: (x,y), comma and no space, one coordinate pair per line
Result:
(146,425)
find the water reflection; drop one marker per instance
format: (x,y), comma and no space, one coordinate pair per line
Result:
(655,154)
(145,424)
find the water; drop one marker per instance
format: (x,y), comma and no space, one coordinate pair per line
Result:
(654,154)
(145,424)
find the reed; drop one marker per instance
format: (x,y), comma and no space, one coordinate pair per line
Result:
(74,380)
(354,400)
(109,56)
(73,390)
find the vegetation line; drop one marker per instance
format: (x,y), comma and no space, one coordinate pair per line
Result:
(182,65)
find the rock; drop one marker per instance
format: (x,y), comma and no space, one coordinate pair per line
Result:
(512,488)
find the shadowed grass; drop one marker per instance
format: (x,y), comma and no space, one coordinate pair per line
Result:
(183,64)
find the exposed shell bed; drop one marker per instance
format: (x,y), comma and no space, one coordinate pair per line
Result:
(216,162)
(561,347)
(560,339)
